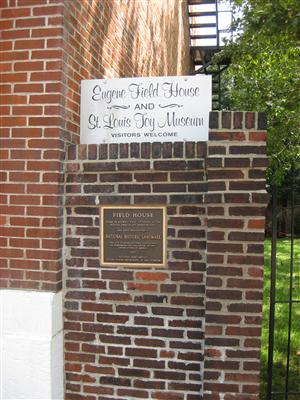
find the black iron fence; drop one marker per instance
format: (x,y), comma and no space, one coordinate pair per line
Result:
(283,375)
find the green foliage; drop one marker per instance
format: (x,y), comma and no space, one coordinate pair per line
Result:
(281,318)
(264,75)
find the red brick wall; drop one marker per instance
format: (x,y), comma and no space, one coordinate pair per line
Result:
(139,333)
(31,144)
(236,205)
(47,47)
(190,331)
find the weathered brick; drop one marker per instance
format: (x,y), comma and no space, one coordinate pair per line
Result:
(145,150)
(133,165)
(214,120)
(113,151)
(178,149)
(156,150)
(238,120)
(250,120)
(240,162)
(261,121)
(213,150)
(150,199)
(250,185)
(103,166)
(123,150)
(225,174)
(247,150)
(167,150)
(238,136)
(190,149)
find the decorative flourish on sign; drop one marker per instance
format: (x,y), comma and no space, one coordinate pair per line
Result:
(118,107)
(171,105)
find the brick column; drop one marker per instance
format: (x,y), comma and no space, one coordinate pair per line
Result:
(134,333)
(47,47)
(31,145)
(236,203)
(163,334)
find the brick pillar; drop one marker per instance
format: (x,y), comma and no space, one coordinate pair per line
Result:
(47,48)
(236,203)
(134,333)
(162,333)
(32,151)
(31,145)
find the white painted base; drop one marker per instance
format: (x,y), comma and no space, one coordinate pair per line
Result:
(31,345)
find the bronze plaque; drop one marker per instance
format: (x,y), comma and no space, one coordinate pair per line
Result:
(133,235)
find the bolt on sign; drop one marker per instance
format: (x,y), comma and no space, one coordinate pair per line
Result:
(133,236)
(126,110)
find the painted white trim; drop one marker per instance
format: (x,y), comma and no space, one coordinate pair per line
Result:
(31,341)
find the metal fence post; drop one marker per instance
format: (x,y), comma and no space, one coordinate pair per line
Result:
(272,293)
(288,351)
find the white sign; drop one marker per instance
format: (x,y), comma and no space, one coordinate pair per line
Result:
(156,109)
